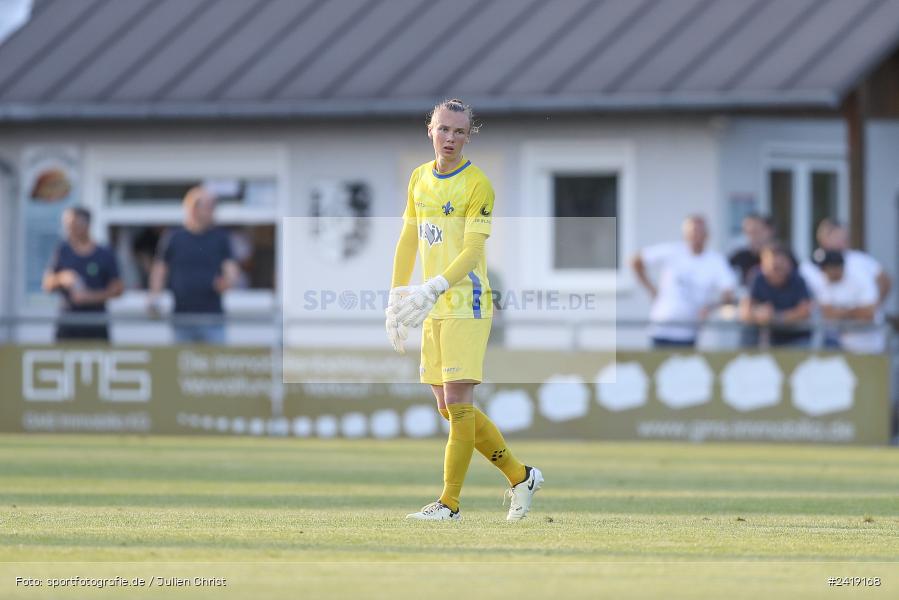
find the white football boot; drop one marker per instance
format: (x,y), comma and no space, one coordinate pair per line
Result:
(435,511)
(522,495)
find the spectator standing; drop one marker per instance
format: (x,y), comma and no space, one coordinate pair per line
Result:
(692,282)
(758,231)
(848,296)
(832,236)
(86,275)
(197,264)
(778,299)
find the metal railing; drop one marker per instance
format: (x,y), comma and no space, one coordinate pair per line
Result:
(731,334)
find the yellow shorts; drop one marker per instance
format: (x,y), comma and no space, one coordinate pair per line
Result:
(453,349)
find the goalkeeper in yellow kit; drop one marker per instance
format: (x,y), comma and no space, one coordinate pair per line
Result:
(448,217)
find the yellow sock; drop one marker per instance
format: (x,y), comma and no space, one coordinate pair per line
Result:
(459,449)
(489,441)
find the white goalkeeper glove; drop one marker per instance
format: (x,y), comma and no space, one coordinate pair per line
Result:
(414,308)
(396,331)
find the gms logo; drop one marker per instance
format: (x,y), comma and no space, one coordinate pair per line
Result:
(431,233)
(53,375)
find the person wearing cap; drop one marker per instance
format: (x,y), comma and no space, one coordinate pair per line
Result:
(848,300)
(832,235)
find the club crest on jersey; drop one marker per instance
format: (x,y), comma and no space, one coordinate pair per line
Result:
(431,233)
(448,208)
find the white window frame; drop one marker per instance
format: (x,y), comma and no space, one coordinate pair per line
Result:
(802,160)
(117,162)
(540,162)
(8,232)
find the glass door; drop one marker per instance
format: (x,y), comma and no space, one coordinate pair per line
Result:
(800,194)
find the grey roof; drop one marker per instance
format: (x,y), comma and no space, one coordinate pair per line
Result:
(187,58)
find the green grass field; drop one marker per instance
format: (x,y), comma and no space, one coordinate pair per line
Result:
(324,519)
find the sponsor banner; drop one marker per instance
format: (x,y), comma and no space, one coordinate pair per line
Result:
(783,396)
(84,388)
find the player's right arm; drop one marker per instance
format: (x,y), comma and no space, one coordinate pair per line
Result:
(403,265)
(407,246)
(404,256)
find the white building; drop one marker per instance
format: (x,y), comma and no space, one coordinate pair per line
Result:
(653,110)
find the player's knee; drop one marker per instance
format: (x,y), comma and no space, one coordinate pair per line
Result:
(458,392)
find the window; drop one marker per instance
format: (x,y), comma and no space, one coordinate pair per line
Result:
(824,199)
(253,247)
(579,205)
(136,190)
(585,243)
(780,192)
(803,187)
(245,192)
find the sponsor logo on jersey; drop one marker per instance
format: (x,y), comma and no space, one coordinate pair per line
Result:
(485,211)
(431,233)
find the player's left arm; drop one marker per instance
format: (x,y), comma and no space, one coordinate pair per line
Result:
(414,309)
(478,225)
(473,246)
(403,266)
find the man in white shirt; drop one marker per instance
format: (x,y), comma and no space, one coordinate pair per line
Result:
(833,236)
(850,297)
(692,281)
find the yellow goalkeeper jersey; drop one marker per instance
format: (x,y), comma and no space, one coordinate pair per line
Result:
(445,206)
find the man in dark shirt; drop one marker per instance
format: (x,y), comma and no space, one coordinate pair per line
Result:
(86,275)
(758,231)
(778,299)
(196,262)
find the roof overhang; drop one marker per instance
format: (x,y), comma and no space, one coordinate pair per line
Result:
(356,108)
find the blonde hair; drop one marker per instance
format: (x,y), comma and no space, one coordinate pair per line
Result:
(455,105)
